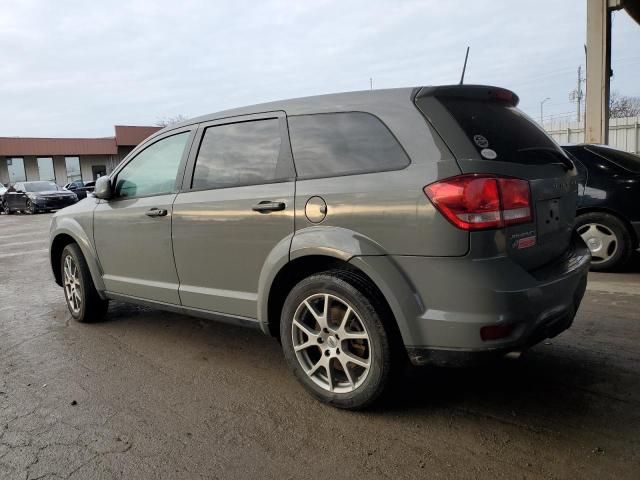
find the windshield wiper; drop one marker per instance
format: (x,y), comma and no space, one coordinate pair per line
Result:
(564,160)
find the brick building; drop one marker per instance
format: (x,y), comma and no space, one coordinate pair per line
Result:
(64,160)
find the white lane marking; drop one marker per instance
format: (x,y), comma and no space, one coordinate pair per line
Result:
(37,232)
(45,240)
(4,255)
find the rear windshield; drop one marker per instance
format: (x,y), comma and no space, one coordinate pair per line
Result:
(625,160)
(502,132)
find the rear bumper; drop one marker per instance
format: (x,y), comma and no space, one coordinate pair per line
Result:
(462,295)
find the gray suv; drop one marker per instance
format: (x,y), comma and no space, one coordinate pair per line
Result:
(361,229)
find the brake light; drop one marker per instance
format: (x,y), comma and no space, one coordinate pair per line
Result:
(504,95)
(481,202)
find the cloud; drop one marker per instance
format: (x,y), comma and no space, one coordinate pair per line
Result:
(72,67)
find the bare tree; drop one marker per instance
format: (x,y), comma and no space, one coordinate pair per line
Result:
(623,106)
(166,121)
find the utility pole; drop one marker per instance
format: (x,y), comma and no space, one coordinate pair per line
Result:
(577,95)
(370,83)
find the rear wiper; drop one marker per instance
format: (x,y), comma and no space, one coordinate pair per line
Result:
(566,161)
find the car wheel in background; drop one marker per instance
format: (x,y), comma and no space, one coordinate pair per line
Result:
(31,208)
(334,339)
(607,238)
(83,301)
(6,209)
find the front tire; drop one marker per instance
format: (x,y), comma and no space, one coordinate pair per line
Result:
(335,341)
(7,210)
(31,208)
(83,301)
(607,238)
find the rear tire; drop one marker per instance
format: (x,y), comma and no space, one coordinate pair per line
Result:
(608,239)
(6,209)
(83,301)
(335,341)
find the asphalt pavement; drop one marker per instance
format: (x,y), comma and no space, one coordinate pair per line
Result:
(147,394)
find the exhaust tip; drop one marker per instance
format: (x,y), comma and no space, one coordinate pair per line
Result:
(513,355)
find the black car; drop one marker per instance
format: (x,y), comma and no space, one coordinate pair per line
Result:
(32,197)
(80,188)
(609,203)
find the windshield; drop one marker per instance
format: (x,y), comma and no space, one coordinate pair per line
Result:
(40,186)
(625,160)
(501,132)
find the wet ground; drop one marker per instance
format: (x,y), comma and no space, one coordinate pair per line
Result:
(148,394)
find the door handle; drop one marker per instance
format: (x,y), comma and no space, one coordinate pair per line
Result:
(268,206)
(156,212)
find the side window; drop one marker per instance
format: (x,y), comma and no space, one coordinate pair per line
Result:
(153,171)
(245,153)
(330,144)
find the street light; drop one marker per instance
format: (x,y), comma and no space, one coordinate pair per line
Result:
(541,106)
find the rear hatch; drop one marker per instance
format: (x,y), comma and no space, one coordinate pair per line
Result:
(489,135)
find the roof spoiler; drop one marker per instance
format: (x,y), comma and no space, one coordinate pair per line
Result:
(477,92)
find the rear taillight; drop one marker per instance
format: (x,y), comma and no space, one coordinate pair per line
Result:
(480,202)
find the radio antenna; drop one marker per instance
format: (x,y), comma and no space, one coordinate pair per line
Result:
(464,68)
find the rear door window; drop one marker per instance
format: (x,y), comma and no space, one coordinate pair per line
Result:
(331,144)
(502,132)
(245,153)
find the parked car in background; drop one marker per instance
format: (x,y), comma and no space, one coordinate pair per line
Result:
(608,203)
(80,188)
(32,197)
(362,229)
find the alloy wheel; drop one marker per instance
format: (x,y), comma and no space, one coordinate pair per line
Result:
(331,343)
(72,289)
(601,240)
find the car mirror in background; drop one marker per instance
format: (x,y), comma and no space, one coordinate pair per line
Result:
(103,188)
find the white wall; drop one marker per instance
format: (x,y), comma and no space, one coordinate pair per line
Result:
(624,133)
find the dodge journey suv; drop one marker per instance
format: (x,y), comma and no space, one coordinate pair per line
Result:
(361,229)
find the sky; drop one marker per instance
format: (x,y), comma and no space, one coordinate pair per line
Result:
(76,68)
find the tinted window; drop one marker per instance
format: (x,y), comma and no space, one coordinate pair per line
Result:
(594,163)
(45,168)
(16,170)
(626,160)
(73,168)
(497,127)
(343,143)
(241,154)
(153,171)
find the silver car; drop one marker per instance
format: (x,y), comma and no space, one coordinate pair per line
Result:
(362,230)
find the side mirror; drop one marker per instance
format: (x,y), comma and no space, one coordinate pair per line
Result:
(103,188)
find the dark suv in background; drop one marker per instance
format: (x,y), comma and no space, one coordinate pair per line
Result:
(608,203)
(362,229)
(80,188)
